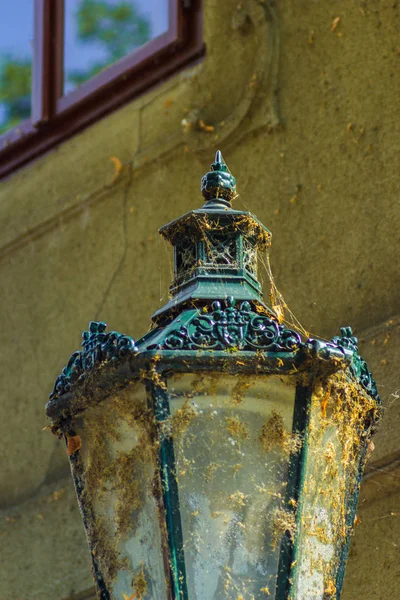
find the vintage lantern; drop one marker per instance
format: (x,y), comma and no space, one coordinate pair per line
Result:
(220,456)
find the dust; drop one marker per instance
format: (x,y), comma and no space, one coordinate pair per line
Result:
(283,521)
(237,428)
(274,435)
(182,418)
(139,584)
(240,388)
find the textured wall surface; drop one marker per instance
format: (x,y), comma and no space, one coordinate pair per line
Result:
(308,120)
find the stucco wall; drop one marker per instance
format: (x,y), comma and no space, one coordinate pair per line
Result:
(308,120)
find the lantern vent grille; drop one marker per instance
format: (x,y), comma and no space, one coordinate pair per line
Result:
(186,260)
(249,257)
(221,250)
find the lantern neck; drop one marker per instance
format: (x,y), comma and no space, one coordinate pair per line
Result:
(216,248)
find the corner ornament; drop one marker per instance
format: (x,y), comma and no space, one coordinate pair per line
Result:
(345,347)
(358,365)
(98,347)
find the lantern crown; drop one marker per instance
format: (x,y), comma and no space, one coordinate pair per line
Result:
(216,248)
(218,186)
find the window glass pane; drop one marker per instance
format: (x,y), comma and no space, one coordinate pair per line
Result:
(100,32)
(232,441)
(16,50)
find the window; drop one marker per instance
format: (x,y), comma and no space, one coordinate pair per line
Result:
(65,63)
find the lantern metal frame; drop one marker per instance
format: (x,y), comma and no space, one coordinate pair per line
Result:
(216,321)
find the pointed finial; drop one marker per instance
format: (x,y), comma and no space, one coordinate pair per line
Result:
(218,186)
(219,164)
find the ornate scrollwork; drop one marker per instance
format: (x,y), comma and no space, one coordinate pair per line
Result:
(98,347)
(358,365)
(229,327)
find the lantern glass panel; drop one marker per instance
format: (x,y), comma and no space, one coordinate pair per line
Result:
(335,449)
(232,440)
(324,518)
(118,461)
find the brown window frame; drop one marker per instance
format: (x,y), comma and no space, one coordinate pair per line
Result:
(55,117)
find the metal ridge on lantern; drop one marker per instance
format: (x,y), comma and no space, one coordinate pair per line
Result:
(219,456)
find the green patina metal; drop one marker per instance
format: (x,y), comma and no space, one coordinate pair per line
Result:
(292,498)
(215,321)
(170,497)
(358,365)
(98,347)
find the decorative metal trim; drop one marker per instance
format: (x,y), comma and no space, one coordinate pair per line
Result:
(345,346)
(358,365)
(215,328)
(242,328)
(237,328)
(98,347)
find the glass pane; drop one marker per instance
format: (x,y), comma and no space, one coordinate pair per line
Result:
(100,32)
(232,440)
(16,50)
(335,448)
(119,465)
(319,527)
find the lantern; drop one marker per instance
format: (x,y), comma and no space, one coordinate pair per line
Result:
(220,456)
